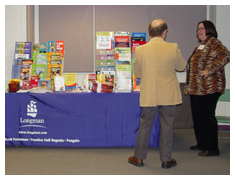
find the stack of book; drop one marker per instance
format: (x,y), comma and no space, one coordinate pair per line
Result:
(37,64)
(123,61)
(137,39)
(105,60)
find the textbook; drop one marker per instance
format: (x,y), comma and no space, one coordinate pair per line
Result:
(123,78)
(104,40)
(60,47)
(54,70)
(45,84)
(122,41)
(34,81)
(123,56)
(51,46)
(54,56)
(43,48)
(37,56)
(138,40)
(26,84)
(88,80)
(107,77)
(139,34)
(39,70)
(35,47)
(22,56)
(134,44)
(41,61)
(70,79)
(22,72)
(23,48)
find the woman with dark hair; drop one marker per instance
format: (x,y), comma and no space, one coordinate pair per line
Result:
(205,82)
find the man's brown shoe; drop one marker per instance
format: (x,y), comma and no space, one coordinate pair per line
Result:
(169,164)
(135,161)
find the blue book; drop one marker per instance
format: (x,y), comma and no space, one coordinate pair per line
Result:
(139,35)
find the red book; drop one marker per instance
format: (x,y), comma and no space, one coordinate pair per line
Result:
(26,84)
(60,47)
(121,41)
(34,81)
(137,43)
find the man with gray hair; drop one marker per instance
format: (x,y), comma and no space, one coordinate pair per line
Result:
(155,63)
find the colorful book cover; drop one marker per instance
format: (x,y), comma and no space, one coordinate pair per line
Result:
(122,41)
(41,61)
(37,56)
(104,40)
(139,34)
(35,47)
(43,48)
(22,56)
(54,61)
(39,70)
(44,84)
(54,70)
(60,47)
(34,81)
(136,81)
(121,33)
(107,78)
(23,48)
(26,84)
(70,79)
(54,56)
(137,43)
(27,62)
(22,72)
(88,80)
(123,56)
(51,46)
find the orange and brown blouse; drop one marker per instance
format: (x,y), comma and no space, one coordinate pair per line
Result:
(210,55)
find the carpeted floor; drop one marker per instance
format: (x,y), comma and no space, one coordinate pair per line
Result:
(113,161)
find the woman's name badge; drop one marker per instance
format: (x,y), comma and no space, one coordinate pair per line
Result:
(201,47)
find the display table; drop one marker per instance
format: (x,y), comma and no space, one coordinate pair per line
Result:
(74,119)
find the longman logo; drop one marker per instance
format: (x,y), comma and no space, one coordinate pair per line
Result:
(32,109)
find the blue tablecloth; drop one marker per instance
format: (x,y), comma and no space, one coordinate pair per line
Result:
(74,119)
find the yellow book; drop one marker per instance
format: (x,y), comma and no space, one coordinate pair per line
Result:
(70,79)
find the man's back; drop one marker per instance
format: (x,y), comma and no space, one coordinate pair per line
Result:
(155,63)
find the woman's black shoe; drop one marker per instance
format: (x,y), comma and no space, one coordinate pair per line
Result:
(195,148)
(209,153)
